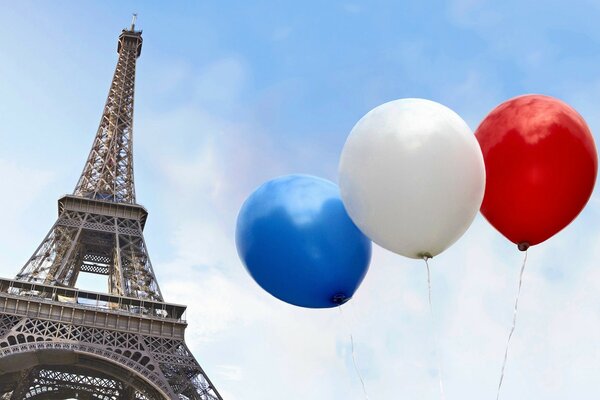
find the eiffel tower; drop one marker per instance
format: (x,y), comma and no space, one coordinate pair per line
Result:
(59,342)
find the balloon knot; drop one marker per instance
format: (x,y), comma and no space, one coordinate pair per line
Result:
(339,298)
(523,246)
(425,255)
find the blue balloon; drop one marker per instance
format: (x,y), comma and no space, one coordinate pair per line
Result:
(299,244)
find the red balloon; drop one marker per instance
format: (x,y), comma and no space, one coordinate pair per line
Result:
(541,166)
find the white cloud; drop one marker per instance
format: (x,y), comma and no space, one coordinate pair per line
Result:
(220,82)
(231,372)
(254,346)
(352,8)
(282,33)
(23,187)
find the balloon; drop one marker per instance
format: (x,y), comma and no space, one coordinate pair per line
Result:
(298,243)
(412,176)
(541,166)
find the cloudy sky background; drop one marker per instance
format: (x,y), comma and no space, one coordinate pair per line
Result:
(229,95)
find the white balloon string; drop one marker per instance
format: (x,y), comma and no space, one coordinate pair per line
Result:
(512,329)
(434,333)
(362,381)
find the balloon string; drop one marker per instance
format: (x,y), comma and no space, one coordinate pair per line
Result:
(434,333)
(514,322)
(362,382)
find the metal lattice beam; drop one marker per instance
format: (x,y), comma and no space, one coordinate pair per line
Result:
(102,244)
(56,382)
(108,172)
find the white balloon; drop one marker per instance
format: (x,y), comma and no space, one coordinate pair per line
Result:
(412,176)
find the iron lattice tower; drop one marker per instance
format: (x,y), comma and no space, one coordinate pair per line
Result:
(59,342)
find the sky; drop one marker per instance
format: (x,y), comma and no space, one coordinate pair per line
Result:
(231,94)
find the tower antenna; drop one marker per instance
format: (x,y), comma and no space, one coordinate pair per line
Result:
(133,21)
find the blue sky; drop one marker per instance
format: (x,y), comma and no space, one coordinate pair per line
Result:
(229,95)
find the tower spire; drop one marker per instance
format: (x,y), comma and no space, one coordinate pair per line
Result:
(133,22)
(108,171)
